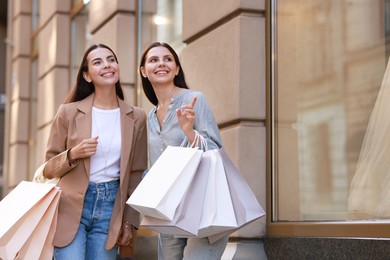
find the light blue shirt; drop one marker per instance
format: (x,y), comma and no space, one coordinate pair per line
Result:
(172,134)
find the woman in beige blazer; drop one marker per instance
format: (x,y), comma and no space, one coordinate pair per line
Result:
(98,148)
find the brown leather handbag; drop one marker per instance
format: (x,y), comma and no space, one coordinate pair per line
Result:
(129,251)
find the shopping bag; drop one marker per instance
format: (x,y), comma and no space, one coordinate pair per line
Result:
(187,216)
(161,190)
(217,212)
(38,176)
(246,206)
(28,220)
(229,202)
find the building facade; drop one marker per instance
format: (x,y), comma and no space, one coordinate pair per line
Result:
(292,85)
(47,39)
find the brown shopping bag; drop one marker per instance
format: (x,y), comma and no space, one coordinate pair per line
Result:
(28,217)
(159,193)
(187,216)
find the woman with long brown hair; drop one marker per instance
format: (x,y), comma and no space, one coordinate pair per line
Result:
(98,148)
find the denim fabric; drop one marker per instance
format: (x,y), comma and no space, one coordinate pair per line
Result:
(172,134)
(91,236)
(171,248)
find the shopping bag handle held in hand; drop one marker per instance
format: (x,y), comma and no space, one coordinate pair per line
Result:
(198,140)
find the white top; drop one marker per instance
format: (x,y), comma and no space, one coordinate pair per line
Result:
(105,164)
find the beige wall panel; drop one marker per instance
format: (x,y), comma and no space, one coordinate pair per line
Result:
(119,34)
(21,36)
(54,44)
(252,60)
(21,6)
(228,70)
(246,146)
(201,14)
(20,78)
(42,137)
(19,121)
(48,8)
(149,6)
(100,10)
(128,90)
(52,90)
(17,167)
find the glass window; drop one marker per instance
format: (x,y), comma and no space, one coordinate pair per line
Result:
(329,118)
(80,36)
(34,27)
(33,115)
(158,20)
(34,79)
(168,20)
(34,14)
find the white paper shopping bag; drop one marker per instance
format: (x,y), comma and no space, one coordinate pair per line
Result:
(39,244)
(217,212)
(161,190)
(246,207)
(187,216)
(26,211)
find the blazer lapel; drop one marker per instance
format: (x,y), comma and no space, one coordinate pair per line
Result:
(84,125)
(127,129)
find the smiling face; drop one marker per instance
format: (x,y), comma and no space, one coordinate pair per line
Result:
(160,66)
(103,68)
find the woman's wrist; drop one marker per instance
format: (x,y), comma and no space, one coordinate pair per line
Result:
(129,226)
(71,159)
(191,135)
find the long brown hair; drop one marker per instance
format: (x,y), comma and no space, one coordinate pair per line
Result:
(83,88)
(179,79)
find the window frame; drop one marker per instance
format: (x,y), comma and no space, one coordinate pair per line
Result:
(346,228)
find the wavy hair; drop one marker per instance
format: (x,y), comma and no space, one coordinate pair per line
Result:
(83,88)
(179,79)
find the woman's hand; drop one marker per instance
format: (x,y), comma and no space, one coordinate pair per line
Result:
(125,237)
(186,119)
(84,149)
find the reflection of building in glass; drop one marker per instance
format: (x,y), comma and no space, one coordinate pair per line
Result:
(330,71)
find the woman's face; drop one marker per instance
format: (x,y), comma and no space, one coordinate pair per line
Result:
(103,68)
(160,66)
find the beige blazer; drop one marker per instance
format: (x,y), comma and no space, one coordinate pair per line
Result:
(73,123)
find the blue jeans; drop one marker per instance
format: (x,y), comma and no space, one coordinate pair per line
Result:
(91,236)
(172,248)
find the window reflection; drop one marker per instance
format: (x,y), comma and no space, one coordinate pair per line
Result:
(80,35)
(159,20)
(164,23)
(169,22)
(330,62)
(34,14)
